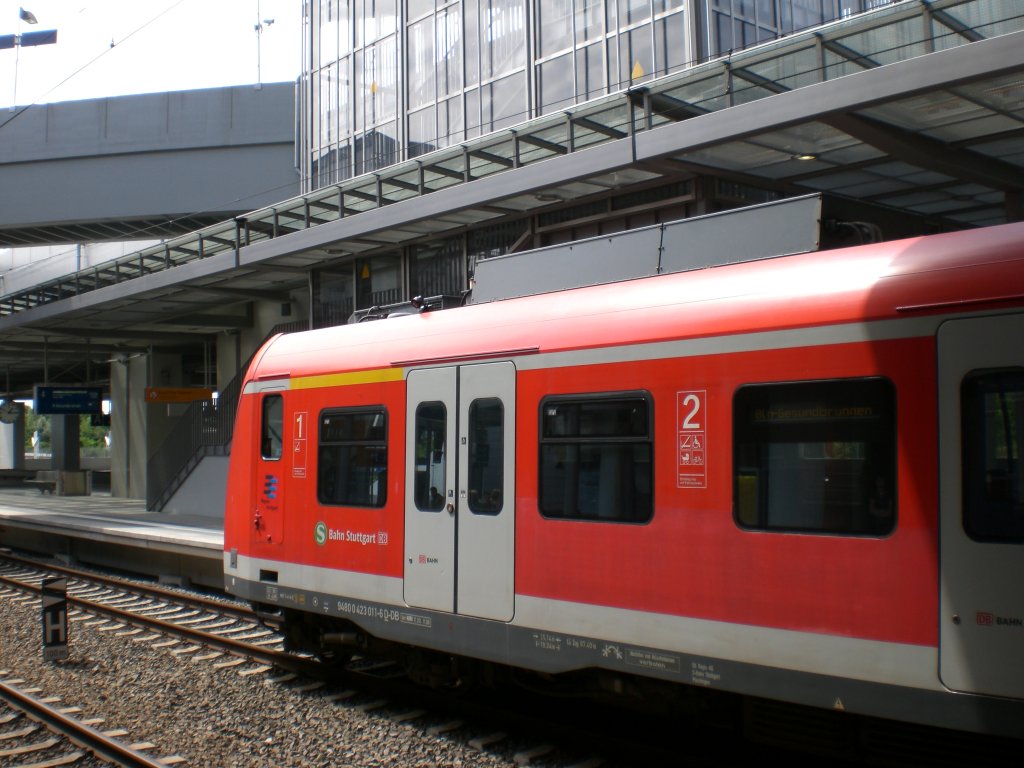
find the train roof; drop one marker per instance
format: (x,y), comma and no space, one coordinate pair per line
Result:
(975,269)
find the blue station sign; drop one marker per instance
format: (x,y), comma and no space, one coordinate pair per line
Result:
(57,401)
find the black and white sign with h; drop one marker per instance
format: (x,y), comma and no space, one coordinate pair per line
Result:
(55,619)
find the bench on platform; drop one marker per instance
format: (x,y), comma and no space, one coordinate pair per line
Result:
(63,482)
(45,480)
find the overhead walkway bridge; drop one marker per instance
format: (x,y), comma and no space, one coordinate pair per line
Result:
(143,167)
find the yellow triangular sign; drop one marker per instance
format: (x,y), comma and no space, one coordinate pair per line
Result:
(638,71)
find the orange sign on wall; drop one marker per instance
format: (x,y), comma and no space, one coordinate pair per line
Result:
(177,394)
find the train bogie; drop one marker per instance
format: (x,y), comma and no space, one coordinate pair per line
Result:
(798,479)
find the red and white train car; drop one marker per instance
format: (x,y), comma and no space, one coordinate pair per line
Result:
(798,478)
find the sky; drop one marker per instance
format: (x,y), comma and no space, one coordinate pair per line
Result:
(158,45)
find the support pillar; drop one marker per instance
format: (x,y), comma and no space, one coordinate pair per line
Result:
(128,381)
(65,437)
(12,442)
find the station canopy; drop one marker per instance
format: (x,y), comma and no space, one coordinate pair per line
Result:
(917,107)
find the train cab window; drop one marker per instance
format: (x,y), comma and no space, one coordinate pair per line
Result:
(271,427)
(486,456)
(992,412)
(352,457)
(596,457)
(816,457)
(429,488)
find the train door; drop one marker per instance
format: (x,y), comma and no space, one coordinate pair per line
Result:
(268,517)
(981,431)
(460,502)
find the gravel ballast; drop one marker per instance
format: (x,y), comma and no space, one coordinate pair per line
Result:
(209,716)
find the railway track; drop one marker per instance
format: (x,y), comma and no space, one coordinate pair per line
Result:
(32,728)
(216,626)
(227,634)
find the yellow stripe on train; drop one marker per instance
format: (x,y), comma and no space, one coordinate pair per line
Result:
(375,376)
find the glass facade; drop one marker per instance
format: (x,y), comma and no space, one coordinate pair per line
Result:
(732,25)
(387,80)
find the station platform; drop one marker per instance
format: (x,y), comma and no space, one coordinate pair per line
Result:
(114,533)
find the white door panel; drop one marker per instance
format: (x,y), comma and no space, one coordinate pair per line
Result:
(981,424)
(460,483)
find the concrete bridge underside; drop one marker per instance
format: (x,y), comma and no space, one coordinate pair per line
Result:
(144,167)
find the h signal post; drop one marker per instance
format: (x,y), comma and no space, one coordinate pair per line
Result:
(55,619)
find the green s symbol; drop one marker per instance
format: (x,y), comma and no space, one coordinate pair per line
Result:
(320,533)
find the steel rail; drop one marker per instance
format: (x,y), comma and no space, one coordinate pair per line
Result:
(241,611)
(239,648)
(77,732)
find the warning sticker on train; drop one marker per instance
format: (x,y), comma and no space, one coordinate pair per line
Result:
(692,470)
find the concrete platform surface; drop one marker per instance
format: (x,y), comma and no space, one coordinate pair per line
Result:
(113,532)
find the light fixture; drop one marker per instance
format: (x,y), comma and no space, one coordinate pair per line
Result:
(805,156)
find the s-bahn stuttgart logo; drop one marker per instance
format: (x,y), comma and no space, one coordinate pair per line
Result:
(320,533)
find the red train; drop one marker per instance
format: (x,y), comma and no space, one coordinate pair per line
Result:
(797,478)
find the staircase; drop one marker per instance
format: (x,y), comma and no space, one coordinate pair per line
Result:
(204,429)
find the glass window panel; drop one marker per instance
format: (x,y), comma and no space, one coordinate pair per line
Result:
(272,427)
(486,456)
(992,404)
(449,52)
(418,7)
(335,298)
(503,37)
(590,71)
(452,130)
(375,19)
(436,269)
(429,477)
(352,458)
(670,54)
(636,58)
(554,28)
(556,84)
(378,281)
(596,458)
(589,19)
(329,31)
(723,35)
(662,6)
(816,457)
(344,97)
(380,84)
(422,132)
(421,63)
(504,102)
(633,11)
(472,38)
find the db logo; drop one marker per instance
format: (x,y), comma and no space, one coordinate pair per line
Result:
(984,619)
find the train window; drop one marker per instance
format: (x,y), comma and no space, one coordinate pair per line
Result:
(431,456)
(596,458)
(271,427)
(486,456)
(352,458)
(816,457)
(992,412)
